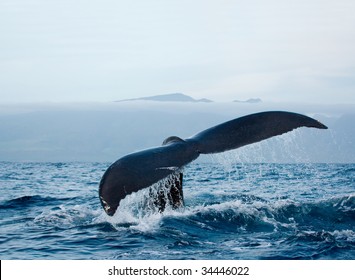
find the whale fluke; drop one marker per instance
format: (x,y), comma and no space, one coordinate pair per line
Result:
(142,169)
(250,129)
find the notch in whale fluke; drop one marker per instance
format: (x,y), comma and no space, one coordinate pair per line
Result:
(142,169)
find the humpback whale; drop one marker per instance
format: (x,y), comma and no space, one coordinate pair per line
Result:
(142,169)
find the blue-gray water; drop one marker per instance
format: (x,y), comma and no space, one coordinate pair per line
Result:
(245,211)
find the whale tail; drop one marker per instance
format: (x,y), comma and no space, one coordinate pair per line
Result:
(145,168)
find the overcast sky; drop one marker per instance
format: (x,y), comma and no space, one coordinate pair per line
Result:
(104,50)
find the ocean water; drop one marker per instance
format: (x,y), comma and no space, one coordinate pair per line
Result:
(232,211)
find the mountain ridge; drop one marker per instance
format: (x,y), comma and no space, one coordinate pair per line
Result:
(170,97)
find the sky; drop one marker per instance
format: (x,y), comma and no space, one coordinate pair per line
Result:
(106,50)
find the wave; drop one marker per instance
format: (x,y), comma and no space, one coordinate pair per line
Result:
(244,214)
(282,229)
(64,216)
(30,201)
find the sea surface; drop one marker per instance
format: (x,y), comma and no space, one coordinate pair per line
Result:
(233,211)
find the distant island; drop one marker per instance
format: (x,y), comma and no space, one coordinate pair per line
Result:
(172,97)
(250,100)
